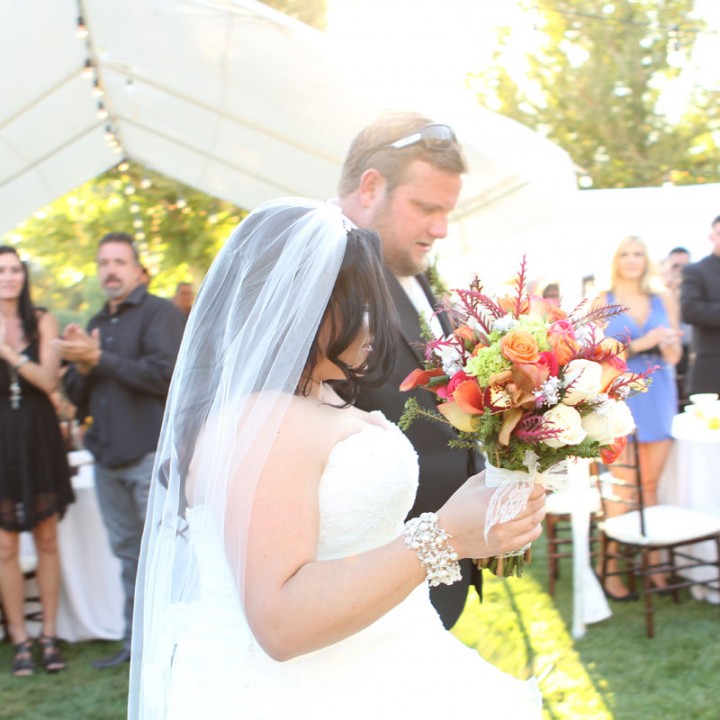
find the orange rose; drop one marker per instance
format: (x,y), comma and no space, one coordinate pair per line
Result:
(519,346)
(464,332)
(550,311)
(509,305)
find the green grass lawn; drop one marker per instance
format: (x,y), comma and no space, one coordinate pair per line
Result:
(613,672)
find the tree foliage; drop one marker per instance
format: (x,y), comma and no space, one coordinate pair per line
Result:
(597,85)
(311,12)
(178,231)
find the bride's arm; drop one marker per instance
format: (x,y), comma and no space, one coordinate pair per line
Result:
(295,603)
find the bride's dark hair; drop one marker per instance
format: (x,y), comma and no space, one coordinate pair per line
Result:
(360,289)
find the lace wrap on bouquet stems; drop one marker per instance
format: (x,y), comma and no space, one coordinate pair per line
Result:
(509,500)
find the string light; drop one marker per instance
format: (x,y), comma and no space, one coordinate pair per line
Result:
(90,72)
(82,31)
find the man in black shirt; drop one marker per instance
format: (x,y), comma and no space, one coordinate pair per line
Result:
(119,376)
(700,304)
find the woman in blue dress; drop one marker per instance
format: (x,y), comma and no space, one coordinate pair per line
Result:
(650,326)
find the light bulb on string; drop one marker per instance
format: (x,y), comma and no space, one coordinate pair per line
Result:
(97,91)
(82,31)
(109,134)
(102,112)
(87,71)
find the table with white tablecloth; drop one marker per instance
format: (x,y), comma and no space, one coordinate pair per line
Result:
(91,594)
(691,479)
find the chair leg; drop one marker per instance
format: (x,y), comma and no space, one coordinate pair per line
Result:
(551,551)
(649,609)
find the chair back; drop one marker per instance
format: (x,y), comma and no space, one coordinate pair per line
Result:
(621,484)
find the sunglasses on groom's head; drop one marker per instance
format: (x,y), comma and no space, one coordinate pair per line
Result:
(434,136)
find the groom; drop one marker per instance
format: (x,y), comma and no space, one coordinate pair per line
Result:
(401,178)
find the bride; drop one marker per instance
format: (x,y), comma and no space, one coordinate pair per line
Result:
(278,578)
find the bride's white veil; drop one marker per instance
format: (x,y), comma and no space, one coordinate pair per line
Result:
(241,359)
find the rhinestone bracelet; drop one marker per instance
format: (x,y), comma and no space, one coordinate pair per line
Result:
(430,543)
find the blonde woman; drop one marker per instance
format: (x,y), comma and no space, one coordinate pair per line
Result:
(650,324)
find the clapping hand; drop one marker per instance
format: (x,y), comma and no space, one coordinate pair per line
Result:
(79,347)
(661,336)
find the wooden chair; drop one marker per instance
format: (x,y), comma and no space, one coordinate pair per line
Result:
(630,538)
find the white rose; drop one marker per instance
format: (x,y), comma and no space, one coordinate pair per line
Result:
(569,422)
(586,377)
(610,420)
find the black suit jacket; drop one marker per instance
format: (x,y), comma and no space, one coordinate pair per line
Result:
(442,469)
(700,303)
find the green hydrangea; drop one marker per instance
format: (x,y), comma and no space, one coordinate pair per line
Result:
(537,327)
(487,362)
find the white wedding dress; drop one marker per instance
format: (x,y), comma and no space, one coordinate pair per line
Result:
(403,665)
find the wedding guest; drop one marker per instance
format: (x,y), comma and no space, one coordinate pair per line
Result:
(551,292)
(120,373)
(278,577)
(700,300)
(673,266)
(650,324)
(35,487)
(402,177)
(184,297)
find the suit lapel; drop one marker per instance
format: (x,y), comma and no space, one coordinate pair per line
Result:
(408,315)
(442,316)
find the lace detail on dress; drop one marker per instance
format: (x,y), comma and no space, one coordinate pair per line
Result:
(375,469)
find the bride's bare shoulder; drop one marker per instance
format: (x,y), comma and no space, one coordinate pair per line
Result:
(313,425)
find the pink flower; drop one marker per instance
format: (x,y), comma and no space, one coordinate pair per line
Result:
(561,336)
(446,391)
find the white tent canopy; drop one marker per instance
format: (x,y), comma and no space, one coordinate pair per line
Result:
(237,100)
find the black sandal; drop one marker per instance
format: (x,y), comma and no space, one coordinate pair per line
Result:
(23,663)
(52,658)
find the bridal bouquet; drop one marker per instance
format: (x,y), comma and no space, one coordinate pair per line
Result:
(532,386)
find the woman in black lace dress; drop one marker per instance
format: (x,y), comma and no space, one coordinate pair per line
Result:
(35,487)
